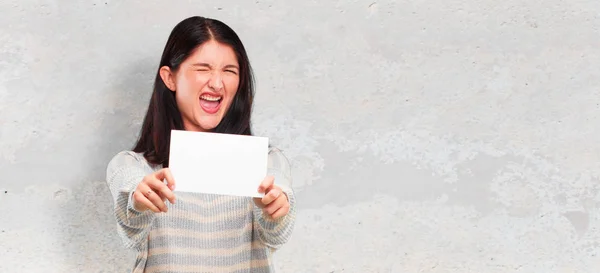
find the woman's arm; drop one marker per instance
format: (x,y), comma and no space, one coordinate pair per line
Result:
(123,174)
(276,232)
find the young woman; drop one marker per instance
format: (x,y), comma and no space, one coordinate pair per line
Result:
(204,83)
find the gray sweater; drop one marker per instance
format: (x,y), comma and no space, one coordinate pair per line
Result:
(200,232)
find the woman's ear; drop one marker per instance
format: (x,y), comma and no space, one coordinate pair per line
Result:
(168,78)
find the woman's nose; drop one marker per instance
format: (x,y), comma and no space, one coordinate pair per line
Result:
(216,81)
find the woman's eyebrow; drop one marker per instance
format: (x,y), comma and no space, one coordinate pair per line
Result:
(202,64)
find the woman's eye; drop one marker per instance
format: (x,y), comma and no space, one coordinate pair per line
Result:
(232,71)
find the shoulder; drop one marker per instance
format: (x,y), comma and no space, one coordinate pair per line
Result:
(278,160)
(125,160)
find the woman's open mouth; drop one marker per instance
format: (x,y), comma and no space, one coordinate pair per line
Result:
(210,103)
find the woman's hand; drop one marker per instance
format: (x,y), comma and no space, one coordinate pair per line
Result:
(275,202)
(151,193)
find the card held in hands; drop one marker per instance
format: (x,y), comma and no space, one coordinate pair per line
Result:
(216,163)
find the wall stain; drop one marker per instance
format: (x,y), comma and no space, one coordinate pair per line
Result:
(580,221)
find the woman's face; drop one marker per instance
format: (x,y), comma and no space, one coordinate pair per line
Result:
(204,85)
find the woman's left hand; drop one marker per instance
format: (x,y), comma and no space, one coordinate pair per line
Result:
(275,202)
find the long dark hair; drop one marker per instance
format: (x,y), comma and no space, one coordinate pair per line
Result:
(163,115)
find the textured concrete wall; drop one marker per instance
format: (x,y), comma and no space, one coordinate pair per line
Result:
(427,136)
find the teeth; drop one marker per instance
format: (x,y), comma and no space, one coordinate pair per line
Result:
(210,98)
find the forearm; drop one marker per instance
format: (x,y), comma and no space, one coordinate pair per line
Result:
(276,232)
(133,226)
(122,178)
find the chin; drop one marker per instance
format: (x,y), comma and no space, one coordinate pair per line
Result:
(209,123)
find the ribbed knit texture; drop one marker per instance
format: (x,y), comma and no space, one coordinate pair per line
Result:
(200,232)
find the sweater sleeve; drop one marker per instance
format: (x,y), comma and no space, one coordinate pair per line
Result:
(275,233)
(123,174)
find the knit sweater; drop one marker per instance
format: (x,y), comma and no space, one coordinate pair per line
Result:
(200,232)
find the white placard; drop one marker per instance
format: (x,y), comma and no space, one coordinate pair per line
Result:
(218,163)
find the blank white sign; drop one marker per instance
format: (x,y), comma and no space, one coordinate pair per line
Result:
(218,163)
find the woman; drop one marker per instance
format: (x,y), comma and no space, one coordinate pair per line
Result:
(204,83)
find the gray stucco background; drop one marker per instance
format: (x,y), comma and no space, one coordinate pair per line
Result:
(425,136)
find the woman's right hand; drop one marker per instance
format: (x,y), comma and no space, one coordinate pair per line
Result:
(151,193)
